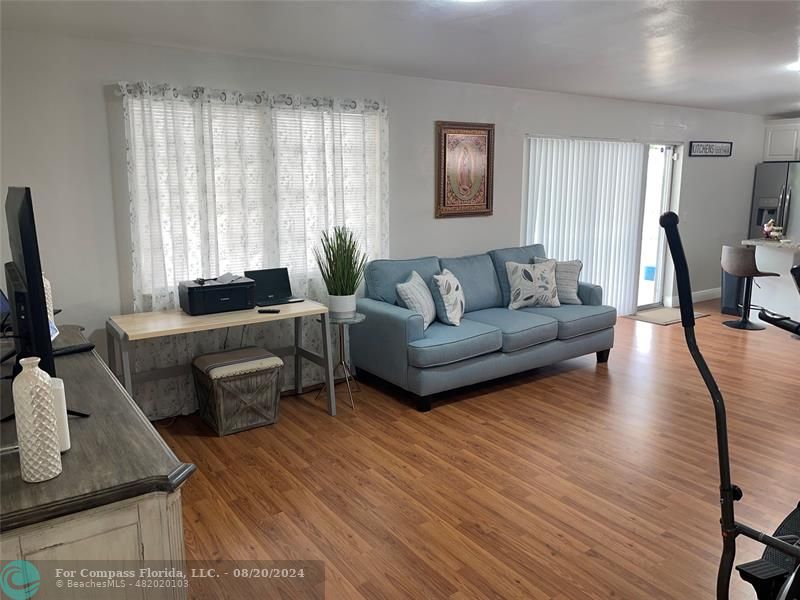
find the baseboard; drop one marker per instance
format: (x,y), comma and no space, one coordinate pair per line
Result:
(698,296)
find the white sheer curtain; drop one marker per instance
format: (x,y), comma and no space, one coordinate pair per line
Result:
(221,180)
(585,200)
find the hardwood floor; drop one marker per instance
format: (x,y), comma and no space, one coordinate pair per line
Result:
(569,482)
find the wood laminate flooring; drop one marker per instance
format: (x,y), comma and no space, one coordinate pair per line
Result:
(568,482)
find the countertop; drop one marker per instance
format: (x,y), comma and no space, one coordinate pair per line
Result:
(116,453)
(788,245)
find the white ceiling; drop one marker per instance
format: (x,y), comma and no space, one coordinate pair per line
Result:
(723,55)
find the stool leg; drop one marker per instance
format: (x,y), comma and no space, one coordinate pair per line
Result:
(343,362)
(745,322)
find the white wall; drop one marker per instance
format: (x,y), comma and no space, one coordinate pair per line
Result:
(56,139)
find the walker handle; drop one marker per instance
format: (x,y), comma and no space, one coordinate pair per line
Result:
(669,221)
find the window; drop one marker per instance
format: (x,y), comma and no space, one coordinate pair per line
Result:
(224,181)
(585,200)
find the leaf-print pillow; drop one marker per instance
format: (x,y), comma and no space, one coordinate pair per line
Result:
(532,285)
(448,297)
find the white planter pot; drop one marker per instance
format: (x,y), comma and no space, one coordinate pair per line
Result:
(342,307)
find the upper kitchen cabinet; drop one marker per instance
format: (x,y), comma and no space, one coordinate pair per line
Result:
(782,140)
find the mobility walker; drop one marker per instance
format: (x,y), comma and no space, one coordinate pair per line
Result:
(776,575)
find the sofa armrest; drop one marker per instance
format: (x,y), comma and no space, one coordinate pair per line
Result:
(590,294)
(379,344)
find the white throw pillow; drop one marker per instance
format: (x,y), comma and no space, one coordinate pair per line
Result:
(448,297)
(416,296)
(567,273)
(532,285)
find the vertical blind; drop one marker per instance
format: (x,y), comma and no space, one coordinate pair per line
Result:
(223,181)
(585,201)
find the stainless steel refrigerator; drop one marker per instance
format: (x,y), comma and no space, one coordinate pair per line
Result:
(774,185)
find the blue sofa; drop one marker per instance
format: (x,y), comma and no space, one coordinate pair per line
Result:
(491,341)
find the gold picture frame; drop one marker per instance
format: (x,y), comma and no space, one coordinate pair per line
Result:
(464,169)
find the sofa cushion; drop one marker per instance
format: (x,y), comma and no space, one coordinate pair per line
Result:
(519,329)
(523,254)
(415,295)
(567,273)
(443,344)
(382,276)
(448,297)
(478,279)
(577,319)
(532,285)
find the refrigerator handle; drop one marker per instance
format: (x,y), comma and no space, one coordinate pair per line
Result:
(787,201)
(779,208)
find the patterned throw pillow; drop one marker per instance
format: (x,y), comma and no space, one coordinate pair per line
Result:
(567,273)
(416,296)
(532,285)
(448,297)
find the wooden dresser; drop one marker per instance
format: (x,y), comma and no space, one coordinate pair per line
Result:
(118,497)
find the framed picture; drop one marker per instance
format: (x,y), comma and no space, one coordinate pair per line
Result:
(464,169)
(713,149)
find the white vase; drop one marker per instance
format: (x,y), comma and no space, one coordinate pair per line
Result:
(37,432)
(342,307)
(60,408)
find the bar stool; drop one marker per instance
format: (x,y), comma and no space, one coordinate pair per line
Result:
(740,261)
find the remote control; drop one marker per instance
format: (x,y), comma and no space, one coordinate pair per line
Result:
(269,311)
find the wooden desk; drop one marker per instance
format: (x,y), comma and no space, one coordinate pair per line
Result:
(118,496)
(122,330)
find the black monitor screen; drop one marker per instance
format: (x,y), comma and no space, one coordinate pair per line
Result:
(24,280)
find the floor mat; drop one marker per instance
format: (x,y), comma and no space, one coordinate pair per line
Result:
(662,316)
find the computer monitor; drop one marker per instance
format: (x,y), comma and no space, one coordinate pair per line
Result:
(30,324)
(26,293)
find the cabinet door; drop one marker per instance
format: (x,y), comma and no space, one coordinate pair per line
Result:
(781,142)
(98,537)
(147,528)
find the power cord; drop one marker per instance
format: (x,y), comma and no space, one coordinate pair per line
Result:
(227,333)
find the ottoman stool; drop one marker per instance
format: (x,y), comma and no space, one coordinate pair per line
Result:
(238,389)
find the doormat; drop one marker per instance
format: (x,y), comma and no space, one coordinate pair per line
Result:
(662,316)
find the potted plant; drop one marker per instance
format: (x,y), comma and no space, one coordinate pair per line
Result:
(341,263)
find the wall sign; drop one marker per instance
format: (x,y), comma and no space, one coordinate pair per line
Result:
(464,165)
(713,149)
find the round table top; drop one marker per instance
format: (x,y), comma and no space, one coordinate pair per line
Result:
(357,318)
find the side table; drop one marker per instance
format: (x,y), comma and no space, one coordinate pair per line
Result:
(344,323)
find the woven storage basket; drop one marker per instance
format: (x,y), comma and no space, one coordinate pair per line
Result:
(238,389)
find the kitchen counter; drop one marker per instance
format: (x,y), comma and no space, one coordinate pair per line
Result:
(788,244)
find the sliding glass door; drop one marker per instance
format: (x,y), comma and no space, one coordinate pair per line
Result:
(585,202)
(599,201)
(658,189)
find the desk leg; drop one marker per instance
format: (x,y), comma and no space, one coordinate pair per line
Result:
(298,360)
(127,375)
(326,353)
(111,344)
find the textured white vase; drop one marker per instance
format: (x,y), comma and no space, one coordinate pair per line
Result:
(37,432)
(342,307)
